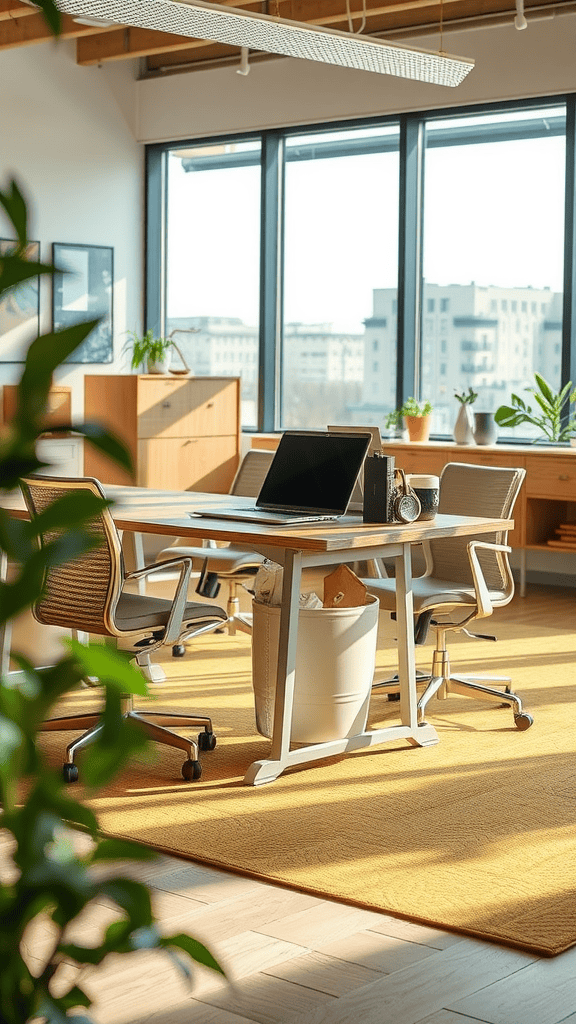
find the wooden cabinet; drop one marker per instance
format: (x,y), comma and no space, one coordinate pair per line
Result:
(183,432)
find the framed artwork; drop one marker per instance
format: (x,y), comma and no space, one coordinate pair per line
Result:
(19,310)
(84,291)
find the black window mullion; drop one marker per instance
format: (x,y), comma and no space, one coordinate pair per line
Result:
(155,241)
(270,281)
(409,257)
(569,300)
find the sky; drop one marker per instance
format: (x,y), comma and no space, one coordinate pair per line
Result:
(342,230)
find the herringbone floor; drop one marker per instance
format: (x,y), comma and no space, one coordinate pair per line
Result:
(300,959)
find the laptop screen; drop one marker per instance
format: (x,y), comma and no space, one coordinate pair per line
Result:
(314,471)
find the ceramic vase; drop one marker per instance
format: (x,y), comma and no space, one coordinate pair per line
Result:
(158,365)
(484,428)
(463,432)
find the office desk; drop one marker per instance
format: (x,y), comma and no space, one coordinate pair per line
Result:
(167,513)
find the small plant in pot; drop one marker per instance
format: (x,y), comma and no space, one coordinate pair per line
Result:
(553,414)
(416,417)
(153,353)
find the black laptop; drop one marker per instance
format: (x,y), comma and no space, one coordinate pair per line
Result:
(310,480)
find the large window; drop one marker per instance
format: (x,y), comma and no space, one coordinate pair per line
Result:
(340,269)
(213,262)
(493,256)
(340,277)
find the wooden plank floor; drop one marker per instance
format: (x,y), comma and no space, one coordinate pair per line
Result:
(296,958)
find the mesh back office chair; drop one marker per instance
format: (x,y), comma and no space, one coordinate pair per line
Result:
(466,576)
(87,594)
(228,563)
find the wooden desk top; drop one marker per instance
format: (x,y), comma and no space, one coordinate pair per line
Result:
(144,510)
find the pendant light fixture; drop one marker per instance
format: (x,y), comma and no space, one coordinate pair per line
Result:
(201,20)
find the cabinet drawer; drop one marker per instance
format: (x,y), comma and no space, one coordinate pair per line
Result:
(188,463)
(198,407)
(551,479)
(419,462)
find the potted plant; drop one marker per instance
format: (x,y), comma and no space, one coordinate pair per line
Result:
(416,417)
(463,432)
(152,352)
(552,415)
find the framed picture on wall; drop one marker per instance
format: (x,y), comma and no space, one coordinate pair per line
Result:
(84,291)
(19,310)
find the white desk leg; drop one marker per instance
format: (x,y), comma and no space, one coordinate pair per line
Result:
(266,771)
(424,735)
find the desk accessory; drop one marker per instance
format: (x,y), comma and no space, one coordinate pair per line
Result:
(427,490)
(384,500)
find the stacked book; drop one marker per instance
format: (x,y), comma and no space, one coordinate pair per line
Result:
(565,537)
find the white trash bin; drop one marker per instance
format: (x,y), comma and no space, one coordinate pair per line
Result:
(335,661)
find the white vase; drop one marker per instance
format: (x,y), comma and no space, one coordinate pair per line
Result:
(158,365)
(463,432)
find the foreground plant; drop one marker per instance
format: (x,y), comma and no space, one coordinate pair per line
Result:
(54,878)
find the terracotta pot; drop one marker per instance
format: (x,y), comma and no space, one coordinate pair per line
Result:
(418,427)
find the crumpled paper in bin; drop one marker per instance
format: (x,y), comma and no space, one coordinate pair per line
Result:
(267,587)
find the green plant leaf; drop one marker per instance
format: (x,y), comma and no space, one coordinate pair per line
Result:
(14,205)
(132,897)
(193,948)
(545,388)
(110,666)
(107,443)
(15,269)
(121,849)
(506,416)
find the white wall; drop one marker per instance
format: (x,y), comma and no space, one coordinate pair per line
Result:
(67,135)
(538,61)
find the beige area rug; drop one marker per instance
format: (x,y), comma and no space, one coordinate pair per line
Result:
(475,835)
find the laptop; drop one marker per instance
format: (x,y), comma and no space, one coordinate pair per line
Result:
(310,480)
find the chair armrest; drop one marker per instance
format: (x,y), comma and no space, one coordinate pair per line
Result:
(174,624)
(483,601)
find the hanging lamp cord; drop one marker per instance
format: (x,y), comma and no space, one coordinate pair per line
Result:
(441,50)
(362,23)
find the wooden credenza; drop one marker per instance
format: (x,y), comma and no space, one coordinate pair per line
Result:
(183,432)
(546,502)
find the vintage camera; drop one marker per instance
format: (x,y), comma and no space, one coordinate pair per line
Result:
(388,498)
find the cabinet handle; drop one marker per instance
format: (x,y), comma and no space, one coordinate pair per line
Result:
(564,476)
(209,405)
(166,405)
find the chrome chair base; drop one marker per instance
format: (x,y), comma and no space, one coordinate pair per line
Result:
(477,687)
(153,723)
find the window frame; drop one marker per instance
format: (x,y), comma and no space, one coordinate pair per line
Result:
(413,139)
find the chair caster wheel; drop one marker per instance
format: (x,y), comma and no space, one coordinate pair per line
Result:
(178,651)
(206,740)
(69,772)
(523,721)
(393,697)
(191,770)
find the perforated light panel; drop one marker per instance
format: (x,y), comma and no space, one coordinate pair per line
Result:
(275,35)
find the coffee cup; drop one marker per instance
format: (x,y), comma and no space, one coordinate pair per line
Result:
(427,490)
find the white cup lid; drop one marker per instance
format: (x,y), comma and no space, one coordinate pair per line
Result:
(422,480)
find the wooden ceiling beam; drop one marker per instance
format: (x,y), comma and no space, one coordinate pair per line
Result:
(125,43)
(11,9)
(27,31)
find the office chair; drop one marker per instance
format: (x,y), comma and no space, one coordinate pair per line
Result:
(87,594)
(227,563)
(466,576)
